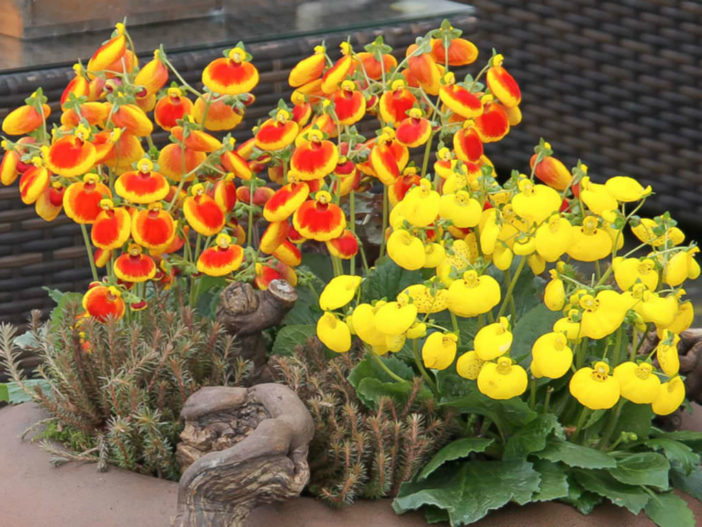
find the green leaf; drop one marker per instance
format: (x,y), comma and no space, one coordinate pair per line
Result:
(600,482)
(289,337)
(62,299)
(508,415)
(10,392)
(387,279)
(529,327)
(669,510)
(435,515)
(368,367)
(575,455)
(209,288)
(305,311)
(532,437)
(688,482)
(457,449)
(554,481)
(320,264)
(467,328)
(634,418)
(642,468)
(469,490)
(676,452)
(580,498)
(370,391)
(692,439)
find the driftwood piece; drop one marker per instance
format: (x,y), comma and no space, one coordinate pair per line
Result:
(244,312)
(260,436)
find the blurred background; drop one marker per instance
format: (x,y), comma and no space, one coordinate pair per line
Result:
(617,84)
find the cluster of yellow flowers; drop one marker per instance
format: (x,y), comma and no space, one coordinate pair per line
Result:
(458,225)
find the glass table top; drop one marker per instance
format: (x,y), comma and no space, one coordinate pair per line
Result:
(251,21)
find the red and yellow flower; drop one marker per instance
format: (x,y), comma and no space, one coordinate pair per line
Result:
(202,212)
(134,266)
(319,219)
(171,108)
(276,134)
(143,185)
(231,75)
(394,104)
(221,259)
(112,226)
(102,302)
(315,158)
(81,201)
(153,228)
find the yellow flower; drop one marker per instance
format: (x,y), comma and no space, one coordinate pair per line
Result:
(553,238)
(670,396)
(625,189)
(667,353)
(681,266)
(654,308)
(602,314)
(590,243)
(420,206)
(473,295)
(426,301)
(333,333)
(524,245)
(493,340)
(568,326)
(363,320)
(417,330)
(459,258)
(502,379)
(434,254)
(644,232)
(469,365)
(551,356)
(535,202)
(502,256)
(489,231)
(627,271)
(394,343)
(406,250)
(460,209)
(394,318)
(595,388)
(339,291)
(439,350)
(536,264)
(554,294)
(637,382)
(683,318)
(596,197)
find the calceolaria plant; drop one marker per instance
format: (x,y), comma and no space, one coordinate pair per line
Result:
(514,304)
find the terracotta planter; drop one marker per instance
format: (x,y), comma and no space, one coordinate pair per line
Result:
(34,495)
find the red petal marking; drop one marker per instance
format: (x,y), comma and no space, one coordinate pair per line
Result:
(314,161)
(111,229)
(337,73)
(319,222)
(552,172)
(413,132)
(400,187)
(153,229)
(78,86)
(467,145)
(225,76)
(424,70)
(288,253)
(276,136)
(503,86)
(70,157)
(168,110)
(262,195)
(32,183)
(225,195)
(461,101)
(345,246)
(133,120)
(233,162)
(170,160)
(108,53)
(203,214)
(492,125)
(265,275)
(395,104)
(137,268)
(139,187)
(384,164)
(350,107)
(153,76)
(81,201)
(461,52)
(215,261)
(273,236)
(284,202)
(301,113)
(99,303)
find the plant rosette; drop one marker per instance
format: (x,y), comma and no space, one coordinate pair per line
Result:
(510,301)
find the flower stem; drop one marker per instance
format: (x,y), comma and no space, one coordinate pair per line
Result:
(547,400)
(385,368)
(611,424)
(249,226)
(427,151)
(89,250)
(584,412)
(352,219)
(422,369)
(532,393)
(510,288)
(385,221)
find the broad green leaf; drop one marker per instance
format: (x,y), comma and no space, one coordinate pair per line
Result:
(690,438)
(386,279)
(575,455)
(289,337)
(508,415)
(305,311)
(469,490)
(320,264)
(435,514)
(642,468)
(676,452)
(457,449)
(26,340)
(554,481)
(531,438)
(62,300)
(10,392)
(371,390)
(467,328)
(669,510)
(529,327)
(600,482)
(580,498)
(634,418)
(209,288)
(690,483)
(368,367)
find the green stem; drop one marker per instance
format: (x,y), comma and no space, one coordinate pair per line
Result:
(422,369)
(584,412)
(532,393)
(427,152)
(510,289)
(249,226)
(385,220)
(352,218)
(617,346)
(611,424)
(89,250)
(385,368)
(547,400)
(454,322)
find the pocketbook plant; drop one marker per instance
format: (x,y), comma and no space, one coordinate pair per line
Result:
(465,240)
